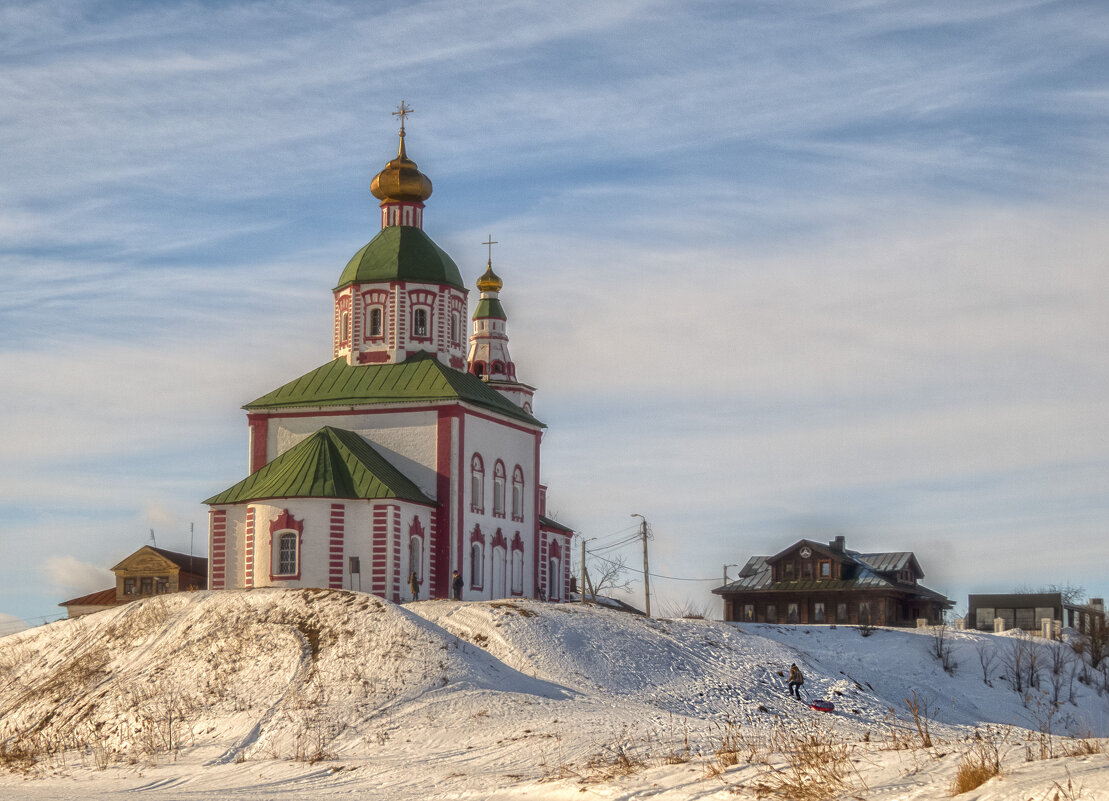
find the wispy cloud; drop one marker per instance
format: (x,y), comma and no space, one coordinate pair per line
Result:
(773,268)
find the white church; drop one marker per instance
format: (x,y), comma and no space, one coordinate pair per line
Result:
(408,452)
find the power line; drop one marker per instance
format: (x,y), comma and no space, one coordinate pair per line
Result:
(653,575)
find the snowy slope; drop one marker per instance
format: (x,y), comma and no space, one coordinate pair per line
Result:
(320,694)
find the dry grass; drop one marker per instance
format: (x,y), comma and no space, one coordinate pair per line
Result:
(1082,746)
(980,763)
(817,766)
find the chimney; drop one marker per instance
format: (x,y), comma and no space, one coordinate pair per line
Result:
(837,544)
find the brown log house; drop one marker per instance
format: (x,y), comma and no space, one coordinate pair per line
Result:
(813,583)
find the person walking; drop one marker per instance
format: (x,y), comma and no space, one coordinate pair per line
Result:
(456,585)
(795,681)
(414,583)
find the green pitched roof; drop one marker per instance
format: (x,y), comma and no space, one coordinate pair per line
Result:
(332,463)
(489,307)
(401,253)
(421,377)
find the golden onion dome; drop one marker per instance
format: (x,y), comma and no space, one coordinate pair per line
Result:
(489,281)
(401,181)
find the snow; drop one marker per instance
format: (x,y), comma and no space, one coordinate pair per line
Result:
(320,694)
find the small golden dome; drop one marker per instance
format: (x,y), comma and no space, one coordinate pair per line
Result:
(401,181)
(490,281)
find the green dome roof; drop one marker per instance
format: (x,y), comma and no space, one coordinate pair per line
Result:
(401,253)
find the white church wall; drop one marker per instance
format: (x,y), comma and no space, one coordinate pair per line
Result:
(513,446)
(406,439)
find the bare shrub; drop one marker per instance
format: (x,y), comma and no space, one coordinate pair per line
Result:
(918,708)
(980,763)
(987,658)
(1020,663)
(942,650)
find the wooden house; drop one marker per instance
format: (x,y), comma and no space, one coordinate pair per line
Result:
(812,582)
(148,571)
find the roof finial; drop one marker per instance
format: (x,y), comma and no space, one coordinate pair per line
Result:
(402,112)
(489,281)
(490,242)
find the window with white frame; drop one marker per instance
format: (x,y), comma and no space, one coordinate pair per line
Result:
(498,489)
(375,327)
(518,493)
(555,579)
(419,322)
(477,484)
(286,553)
(517,571)
(477,562)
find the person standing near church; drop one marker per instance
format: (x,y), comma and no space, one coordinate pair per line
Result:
(414,583)
(456,585)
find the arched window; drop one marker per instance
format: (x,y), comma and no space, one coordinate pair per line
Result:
(477,484)
(416,557)
(419,322)
(518,493)
(285,534)
(344,326)
(498,489)
(517,561)
(477,560)
(285,554)
(554,579)
(375,322)
(455,328)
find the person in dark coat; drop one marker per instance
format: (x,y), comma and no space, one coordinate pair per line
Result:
(795,681)
(414,583)
(456,585)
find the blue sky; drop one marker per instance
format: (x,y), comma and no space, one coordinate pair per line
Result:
(777,269)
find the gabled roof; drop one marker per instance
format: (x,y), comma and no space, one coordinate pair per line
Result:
(816,546)
(331,463)
(889,562)
(197,565)
(421,377)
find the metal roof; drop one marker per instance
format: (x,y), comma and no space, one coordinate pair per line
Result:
(331,463)
(401,253)
(421,377)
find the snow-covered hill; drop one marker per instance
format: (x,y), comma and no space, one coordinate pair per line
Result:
(320,694)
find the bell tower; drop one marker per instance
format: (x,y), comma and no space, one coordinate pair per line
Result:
(488,357)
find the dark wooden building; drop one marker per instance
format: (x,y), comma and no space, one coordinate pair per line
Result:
(812,582)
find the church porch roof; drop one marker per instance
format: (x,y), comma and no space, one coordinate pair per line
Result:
(331,463)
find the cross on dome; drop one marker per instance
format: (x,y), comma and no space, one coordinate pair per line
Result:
(402,112)
(490,242)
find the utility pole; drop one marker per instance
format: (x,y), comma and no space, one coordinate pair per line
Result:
(581,589)
(646,571)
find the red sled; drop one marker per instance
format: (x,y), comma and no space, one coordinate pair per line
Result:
(820,705)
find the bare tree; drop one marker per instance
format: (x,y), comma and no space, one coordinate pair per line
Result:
(1070,593)
(987,657)
(1060,661)
(1013,661)
(608,574)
